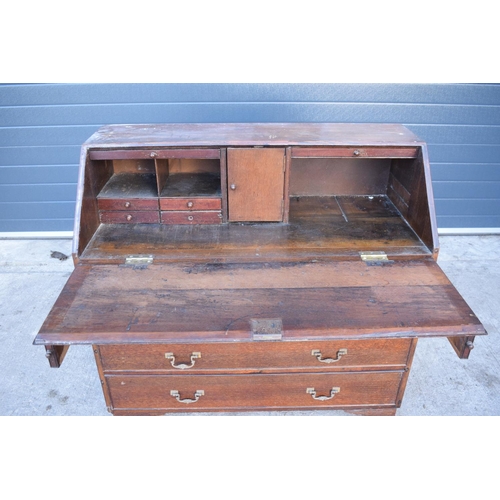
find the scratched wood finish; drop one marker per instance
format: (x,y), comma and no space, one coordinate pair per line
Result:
(126,154)
(252,134)
(127,204)
(107,304)
(318,227)
(338,176)
(356,152)
(191,217)
(269,391)
(129,217)
(193,203)
(259,356)
(256,180)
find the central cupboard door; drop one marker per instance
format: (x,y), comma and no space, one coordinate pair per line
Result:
(255,178)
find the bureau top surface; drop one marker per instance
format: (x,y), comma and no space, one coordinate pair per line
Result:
(251,134)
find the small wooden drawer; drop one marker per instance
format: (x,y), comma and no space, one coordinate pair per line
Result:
(190,203)
(187,217)
(127,204)
(254,356)
(226,392)
(355,152)
(118,217)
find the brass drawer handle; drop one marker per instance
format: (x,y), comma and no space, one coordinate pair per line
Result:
(182,366)
(197,395)
(317,353)
(312,392)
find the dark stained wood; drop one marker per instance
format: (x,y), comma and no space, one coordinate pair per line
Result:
(129,185)
(355,152)
(191,217)
(262,357)
(55,354)
(126,154)
(317,228)
(194,203)
(127,204)
(253,391)
(129,217)
(338,176)
(187,185)
(255,293)
(406,373)
(223,183)
(255,178)
(462,345)
(114,304)
(286,187)
(131,166)
(90,183)
(252,134)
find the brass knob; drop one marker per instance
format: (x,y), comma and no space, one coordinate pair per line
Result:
(190,217)
(190,204)
(153,154)
(129,217)
(233,187)
(127,204)
(356,152)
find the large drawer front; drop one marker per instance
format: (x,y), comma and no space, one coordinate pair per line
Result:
(224,392)
(254,356)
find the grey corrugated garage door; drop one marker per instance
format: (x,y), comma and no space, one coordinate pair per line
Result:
(42,127)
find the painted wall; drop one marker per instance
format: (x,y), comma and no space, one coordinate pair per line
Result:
(42,127)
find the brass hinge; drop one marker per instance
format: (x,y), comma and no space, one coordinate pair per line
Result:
(138,260)
(373,256)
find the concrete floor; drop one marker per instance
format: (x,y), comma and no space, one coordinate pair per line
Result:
(439,382)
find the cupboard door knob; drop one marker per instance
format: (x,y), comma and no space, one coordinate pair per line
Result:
(356,152)
(190,204)
(153,154)
(233,187)
(129,217)
(127,204)
(182,366)
(312,392)
(197,395)
(317,353)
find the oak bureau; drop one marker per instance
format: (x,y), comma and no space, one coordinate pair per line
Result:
(255,266)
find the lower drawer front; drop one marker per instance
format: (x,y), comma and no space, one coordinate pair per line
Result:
(251,356)
(191,392)
(191,217)
(117,217)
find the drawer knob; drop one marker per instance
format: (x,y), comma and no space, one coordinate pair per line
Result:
(197,395)
(129,217)
(233,187)
(312,392)
(182,366)
(127,204)
(153,154)
(190,204)
(356,152)
(317,354)
(190,217)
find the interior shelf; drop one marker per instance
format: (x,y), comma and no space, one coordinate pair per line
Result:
(130,185)
(188,185)
(319,227)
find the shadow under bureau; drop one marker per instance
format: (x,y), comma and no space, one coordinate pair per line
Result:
(231,267)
